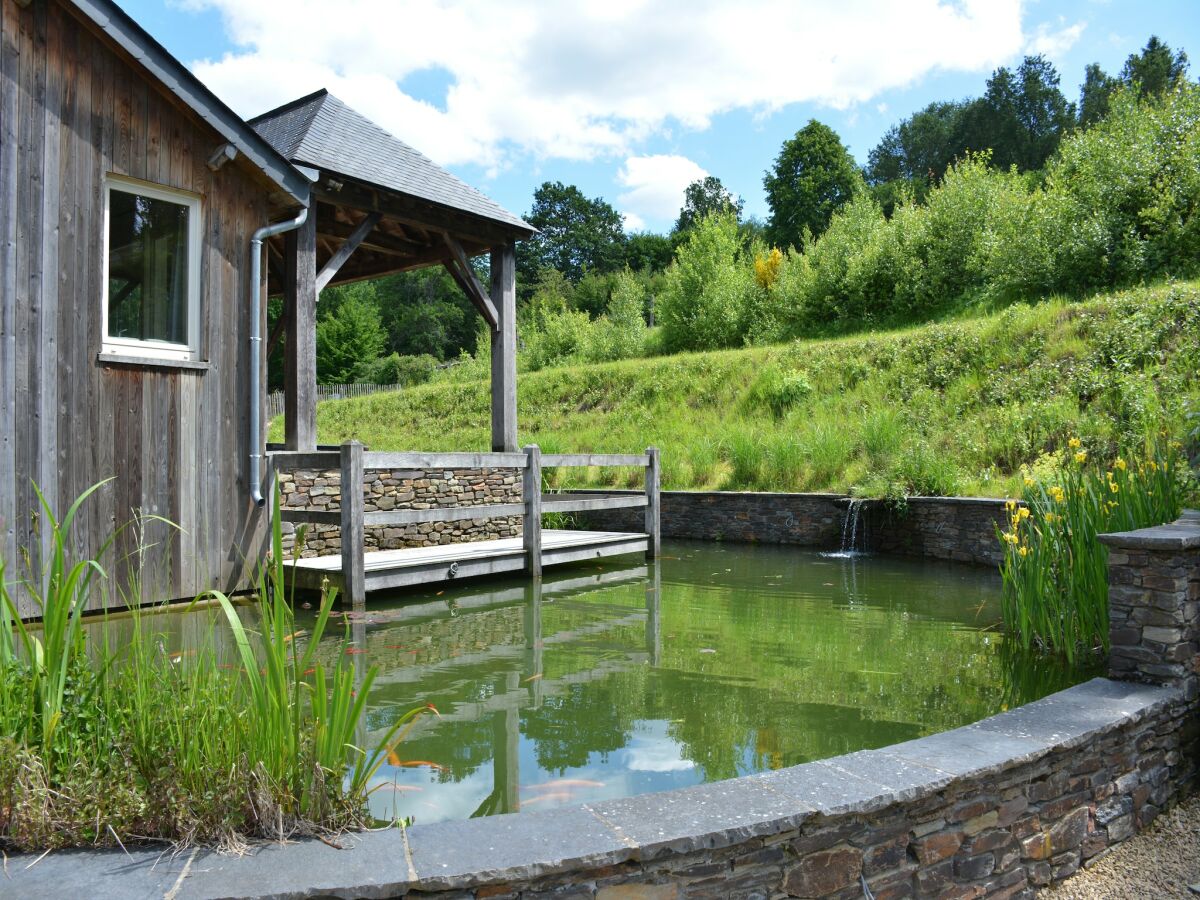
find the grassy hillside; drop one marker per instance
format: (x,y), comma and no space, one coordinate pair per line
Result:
(950,408)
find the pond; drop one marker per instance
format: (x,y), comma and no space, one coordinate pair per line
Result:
(621,678)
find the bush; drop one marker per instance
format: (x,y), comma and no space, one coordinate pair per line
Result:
(621,332)
(397,369)
(707,289)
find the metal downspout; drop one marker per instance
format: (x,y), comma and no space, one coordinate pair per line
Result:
(257,450)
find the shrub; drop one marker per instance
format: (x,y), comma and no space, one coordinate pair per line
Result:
(397,369)
(707,289)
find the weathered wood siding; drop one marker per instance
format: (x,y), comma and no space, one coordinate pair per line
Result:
(72,109)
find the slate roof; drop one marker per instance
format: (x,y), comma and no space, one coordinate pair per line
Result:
(323,132)
(176,78)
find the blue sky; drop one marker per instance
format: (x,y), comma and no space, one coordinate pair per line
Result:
(632,99)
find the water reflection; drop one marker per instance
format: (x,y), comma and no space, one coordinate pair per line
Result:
(609,681)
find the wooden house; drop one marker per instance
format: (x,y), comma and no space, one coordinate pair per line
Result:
(142,222)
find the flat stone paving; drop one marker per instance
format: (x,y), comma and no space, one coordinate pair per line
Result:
(449,855)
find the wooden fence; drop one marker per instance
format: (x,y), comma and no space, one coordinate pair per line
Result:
(352,460)
(331,392)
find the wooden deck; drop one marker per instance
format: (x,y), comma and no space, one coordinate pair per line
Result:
(390,569)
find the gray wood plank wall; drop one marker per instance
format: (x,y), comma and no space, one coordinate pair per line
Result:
(74,109)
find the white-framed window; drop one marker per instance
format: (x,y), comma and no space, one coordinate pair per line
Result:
(151,304)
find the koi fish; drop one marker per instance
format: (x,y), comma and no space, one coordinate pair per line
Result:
(407,763)
(309,671)
(180,654)
(294,634)
(393,647)
(534,677)
(560,783)
(354,651)
(560,796)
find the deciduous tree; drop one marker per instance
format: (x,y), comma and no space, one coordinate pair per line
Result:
(812,177)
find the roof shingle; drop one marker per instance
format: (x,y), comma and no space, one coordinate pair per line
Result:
(321,131)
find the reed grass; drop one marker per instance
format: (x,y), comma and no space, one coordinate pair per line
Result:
(1054,569)
(110,738)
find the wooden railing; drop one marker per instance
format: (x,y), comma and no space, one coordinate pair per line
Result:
(352,461)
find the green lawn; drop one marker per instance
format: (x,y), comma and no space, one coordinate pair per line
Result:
(947,408)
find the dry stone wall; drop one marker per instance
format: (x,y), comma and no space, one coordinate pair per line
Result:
(387,489)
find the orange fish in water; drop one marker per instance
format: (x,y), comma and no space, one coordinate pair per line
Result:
(180,654)
(399,788)
(559,796)
(392,647)
(439,593)
(294,634)
(354,651)
(560,783)
(416,762)
(534,677)
(309,671)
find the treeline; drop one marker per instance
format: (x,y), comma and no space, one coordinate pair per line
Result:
(1015,194)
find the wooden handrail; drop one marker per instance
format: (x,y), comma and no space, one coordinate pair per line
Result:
(594,459)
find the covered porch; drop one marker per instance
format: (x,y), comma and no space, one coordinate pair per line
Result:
(379,207)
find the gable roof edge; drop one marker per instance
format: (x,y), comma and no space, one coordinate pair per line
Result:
(177,79)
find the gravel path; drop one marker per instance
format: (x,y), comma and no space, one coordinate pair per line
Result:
(1158,863)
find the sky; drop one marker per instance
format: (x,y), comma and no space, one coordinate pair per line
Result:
(631,100)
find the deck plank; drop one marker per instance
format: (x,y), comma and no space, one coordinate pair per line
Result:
(386,569)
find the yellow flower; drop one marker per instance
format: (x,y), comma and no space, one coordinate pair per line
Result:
(1058,494)
(1024,551)
(1081,457)
(1112,486)
(1010,505)
(1028,481)
(1119,464)
(1073,443)
(1023,513)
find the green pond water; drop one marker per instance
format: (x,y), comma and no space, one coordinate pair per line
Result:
(608,680)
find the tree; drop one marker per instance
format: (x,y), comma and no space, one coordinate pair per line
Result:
(350,336)
(1156,69)
(812,177)
(921,147)
(703,197)
(1021,117)
(576,234)
(1095,94)
(647,252)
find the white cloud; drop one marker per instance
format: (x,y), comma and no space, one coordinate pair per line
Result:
(1054,42)
(633,222)
(583,79)
(654,187)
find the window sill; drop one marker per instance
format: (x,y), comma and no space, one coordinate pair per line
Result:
(154,362)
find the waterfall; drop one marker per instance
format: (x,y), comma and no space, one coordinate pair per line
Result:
(852,544)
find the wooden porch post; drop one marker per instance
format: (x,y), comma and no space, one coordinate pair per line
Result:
(353,569)
(300,358)
(531,528)
(504,350)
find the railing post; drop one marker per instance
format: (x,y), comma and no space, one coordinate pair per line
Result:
(653,525)
(353,541)
(531,491)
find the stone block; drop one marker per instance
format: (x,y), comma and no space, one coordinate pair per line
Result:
(1069,832)
(824,872)
(936,847)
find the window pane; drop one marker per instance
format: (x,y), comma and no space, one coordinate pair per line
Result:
(147,268)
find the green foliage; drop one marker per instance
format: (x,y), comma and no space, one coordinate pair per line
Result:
(106,735)
(1021,118)
(962,406)
(552,334)
(350,335)
(706,197)
(1054,570)
(647,252)
(813,176)
(708,287)
(575,234)
(397,369)
(1156,69)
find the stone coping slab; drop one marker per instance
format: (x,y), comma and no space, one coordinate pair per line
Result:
(1182,534)
(519,847)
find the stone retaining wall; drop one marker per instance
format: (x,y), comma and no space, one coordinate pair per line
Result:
(994,809)
(953,528)
(403,489)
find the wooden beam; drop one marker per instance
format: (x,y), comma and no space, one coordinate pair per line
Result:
(277,331)
(300,358)
(504,349)
(653,505)
(353,550)
(348,246)
(380,240)
(531,527)
(470,283)
(422,214)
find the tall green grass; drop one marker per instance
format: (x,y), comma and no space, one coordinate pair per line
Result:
(957,407)
(1054,570)
(107,736)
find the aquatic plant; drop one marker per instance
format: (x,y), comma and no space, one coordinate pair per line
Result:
(1054,570)
(107,736)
